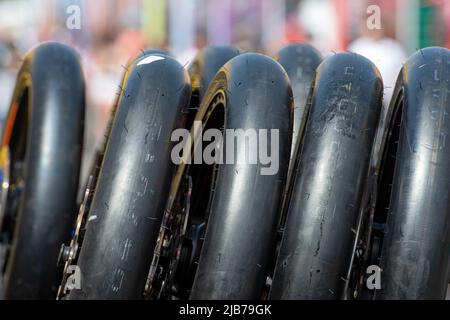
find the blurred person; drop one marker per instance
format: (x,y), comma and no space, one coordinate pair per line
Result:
(293,30)
(246,20)
(384,51)
(320,21)
(273,29)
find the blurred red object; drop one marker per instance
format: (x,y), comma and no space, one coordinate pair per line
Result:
(293,30)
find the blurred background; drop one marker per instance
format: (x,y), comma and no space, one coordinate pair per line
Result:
(107,33)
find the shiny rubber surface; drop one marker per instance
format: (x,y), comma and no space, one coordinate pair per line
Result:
(244,212)
(206,65)
(415,252)
(47,210)
(329,183)
(133,184)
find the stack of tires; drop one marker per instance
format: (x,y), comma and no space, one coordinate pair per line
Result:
(319,206)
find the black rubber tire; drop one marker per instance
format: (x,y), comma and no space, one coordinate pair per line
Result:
(300,62)
(242,225)
(206,64)
(415,252)
(317,243)
(202,71)
(52,81)
(134,180)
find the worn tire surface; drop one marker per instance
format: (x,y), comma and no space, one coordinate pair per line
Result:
(416,245)
(134,180)
(329,184)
